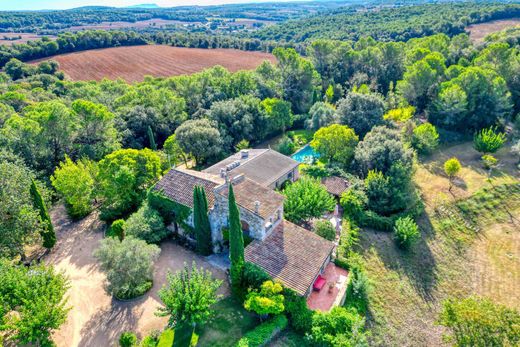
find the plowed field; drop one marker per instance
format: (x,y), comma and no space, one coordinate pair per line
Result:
(133,63)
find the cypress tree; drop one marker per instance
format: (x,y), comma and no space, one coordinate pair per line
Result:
(47,233)
(151,139)
(201,221)
(236,238)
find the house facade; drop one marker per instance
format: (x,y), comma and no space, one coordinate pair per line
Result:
(289,253)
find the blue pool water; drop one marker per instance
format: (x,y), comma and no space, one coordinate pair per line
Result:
(305,155)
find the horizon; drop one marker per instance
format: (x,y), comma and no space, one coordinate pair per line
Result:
(37,5)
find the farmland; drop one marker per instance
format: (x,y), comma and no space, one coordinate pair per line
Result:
(16,38)
(133,63)
(477,32)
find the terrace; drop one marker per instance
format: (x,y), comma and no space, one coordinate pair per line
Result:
(333,292)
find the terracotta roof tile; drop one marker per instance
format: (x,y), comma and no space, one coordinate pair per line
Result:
(335,185)
(290,254)
(248,192)
(178,186)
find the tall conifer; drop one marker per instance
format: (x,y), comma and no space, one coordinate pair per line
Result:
(48,234)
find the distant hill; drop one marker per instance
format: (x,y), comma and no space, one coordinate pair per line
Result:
(144,6)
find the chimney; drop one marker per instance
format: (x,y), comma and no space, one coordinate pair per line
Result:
(244,154)
(257,207)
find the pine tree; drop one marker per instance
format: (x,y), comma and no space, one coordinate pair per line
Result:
(151,139)
(201,221)
(47,233)
(236,238)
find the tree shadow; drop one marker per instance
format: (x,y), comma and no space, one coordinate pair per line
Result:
(418,264)
(109,323)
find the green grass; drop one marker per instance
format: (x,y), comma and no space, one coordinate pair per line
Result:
(301,137)
(230,322)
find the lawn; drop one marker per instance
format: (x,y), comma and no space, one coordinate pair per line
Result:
(227,326)
(469,245)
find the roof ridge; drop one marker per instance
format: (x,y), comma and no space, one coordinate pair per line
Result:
(200,175)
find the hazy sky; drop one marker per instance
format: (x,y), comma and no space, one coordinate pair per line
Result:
(63,4)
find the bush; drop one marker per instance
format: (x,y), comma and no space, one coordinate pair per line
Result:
(128,265)
(358,289)
(264,333)
(353,203)
(127,339)
(146,224)
(325,229)
(489,161)
(300,316)
(488,140)
(286,146)
(339,327)
(253,276)
(406,232)
(373,220)
(117,229)
(268,300)
(425,138)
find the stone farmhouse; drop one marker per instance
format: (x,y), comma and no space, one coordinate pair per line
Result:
(289,253)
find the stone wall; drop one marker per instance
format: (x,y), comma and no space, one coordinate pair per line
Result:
(292,176)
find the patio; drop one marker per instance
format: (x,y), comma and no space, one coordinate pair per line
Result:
(326,298)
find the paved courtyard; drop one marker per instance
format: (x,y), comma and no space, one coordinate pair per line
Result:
(326,298)
(96,319)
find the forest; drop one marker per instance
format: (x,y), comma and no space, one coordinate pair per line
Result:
(372,108)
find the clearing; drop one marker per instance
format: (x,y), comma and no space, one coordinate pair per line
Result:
(135,62)
(96,319)
(470,245)
(9,39)
(477,32)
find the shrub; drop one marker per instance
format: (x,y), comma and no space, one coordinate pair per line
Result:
(489,161)
(488,140)
(264,333)
(325,229)
(451,168)
(286,146)
(146,224)
(128,265)
(353,202)
(425,138)
(253,276)
(406,232)
(300,316)
(339,327)
(127,339)
(358,289)
(117,229)
(269,300)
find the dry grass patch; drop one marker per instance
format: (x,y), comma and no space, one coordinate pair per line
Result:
(470,245)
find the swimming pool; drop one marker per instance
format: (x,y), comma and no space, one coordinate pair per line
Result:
(306,155)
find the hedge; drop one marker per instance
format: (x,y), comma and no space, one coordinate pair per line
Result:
(264,333)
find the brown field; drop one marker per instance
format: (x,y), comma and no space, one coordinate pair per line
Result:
(7,38)
(133,63)
(477,32)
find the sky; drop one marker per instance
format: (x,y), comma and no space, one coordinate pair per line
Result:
(10,5)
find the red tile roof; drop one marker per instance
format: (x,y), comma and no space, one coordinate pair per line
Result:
(178,185)
(335,185)
(291,254)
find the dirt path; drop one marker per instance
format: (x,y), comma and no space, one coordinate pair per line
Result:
(96,319)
